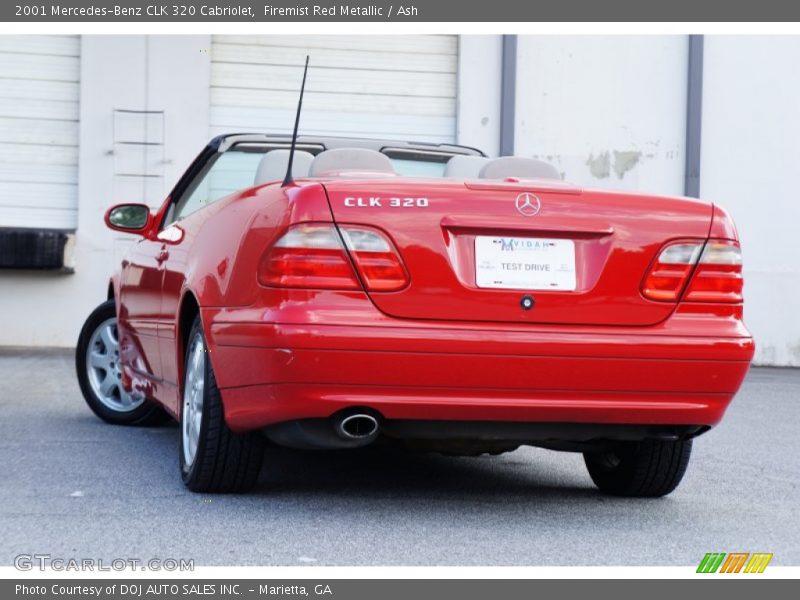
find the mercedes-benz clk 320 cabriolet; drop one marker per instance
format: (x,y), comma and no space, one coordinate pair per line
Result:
(420,295)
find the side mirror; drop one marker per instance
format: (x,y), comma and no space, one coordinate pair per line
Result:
(130,218)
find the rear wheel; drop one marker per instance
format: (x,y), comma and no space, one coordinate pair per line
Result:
(649,468)
(212,457)
(100,373)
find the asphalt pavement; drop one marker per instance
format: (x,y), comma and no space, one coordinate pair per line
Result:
(72,486)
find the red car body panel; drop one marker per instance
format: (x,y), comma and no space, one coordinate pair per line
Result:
(439,349)
(612,246)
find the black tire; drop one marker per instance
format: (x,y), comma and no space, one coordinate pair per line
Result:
(224,461)
(650,468)
(146,413)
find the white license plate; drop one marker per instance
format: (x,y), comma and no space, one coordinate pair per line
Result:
(524,263)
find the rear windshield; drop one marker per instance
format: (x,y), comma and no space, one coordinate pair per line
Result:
(236,169)
(418,168)
(413,163)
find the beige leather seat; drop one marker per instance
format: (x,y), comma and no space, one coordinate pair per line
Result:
(350,159)
(518,166)
(273,166)
(464,167)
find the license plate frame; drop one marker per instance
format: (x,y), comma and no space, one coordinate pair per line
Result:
(525,263)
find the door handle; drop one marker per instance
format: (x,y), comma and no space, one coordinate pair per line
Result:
(162,255)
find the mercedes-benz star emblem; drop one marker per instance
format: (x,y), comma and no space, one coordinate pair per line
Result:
(528,204)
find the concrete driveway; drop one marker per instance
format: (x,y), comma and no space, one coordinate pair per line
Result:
(73,486)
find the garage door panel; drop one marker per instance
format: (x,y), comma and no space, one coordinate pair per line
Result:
(34,66)
(37,131)
(39,154)
(39,112)
(384,61)
(41,195)
(400,105)
(50,173)
(401,87)
(52,45)
(423,129)
(39,109)
(405,44)
(270,77)
(38,217)
(32,89)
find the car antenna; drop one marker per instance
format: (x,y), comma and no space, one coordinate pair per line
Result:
(289,179)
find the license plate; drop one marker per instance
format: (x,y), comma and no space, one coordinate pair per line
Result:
(524,263)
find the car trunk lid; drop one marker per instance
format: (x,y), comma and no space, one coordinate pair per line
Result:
(519,251)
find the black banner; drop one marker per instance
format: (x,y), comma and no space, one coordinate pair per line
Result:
(394,11)
(373,589)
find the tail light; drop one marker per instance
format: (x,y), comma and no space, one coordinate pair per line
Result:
(668,275)
(313,256)
(718,277)
(715,269)
(376,259)
(308,256)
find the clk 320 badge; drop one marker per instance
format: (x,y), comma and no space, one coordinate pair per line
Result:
(392,202)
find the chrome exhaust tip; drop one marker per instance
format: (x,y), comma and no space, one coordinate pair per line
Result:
(357,426)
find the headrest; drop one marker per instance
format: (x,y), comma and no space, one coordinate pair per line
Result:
(464,167)
(273,166)
(518,166)
(350,159)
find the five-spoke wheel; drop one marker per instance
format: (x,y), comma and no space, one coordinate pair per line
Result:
(99,370)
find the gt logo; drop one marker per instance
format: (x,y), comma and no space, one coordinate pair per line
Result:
(716,562)
(377,201)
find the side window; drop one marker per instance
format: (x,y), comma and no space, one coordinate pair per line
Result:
(227,173)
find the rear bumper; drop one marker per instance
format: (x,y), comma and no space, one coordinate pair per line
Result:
(276,372)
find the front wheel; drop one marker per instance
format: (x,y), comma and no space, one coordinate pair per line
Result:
(212,457)
(100,373)
(649,468)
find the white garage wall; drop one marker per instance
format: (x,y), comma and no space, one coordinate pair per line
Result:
(160,73)
(607,111)
(479,82)
(400,87)
(39,93)
(578,99)
(749,165)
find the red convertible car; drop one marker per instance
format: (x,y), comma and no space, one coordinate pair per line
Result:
(421,295)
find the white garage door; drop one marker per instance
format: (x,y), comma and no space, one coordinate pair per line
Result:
(401,87)
(39,94)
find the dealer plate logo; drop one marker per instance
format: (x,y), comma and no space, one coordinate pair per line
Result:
(528,204)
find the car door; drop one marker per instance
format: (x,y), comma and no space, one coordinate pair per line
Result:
(178,239)
(140,284)
(222,175)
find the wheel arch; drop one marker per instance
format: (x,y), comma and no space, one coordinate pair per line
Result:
(113,287)
(188,310)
